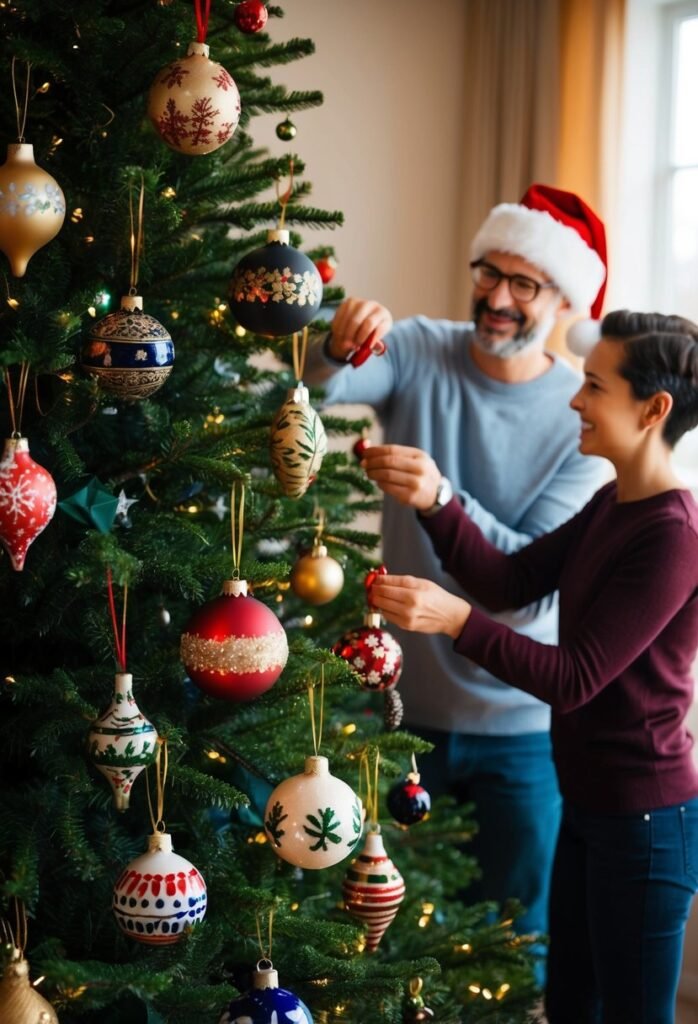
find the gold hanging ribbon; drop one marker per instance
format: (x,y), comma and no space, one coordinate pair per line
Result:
(17,404)
(161,763)
(21,114)
(317,733)
(137,240)
(236,535)
(286,197)
(265,954)
(371,801)
(300,351)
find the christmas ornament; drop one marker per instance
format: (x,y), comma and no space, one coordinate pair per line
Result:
(373,888)
(160,895)
(393,710)
(234,647)
(32,207)
(298,443)
(415,1011)
(122,742)
(317,577)
(27,500)
(275,290)
(250,16)
(326,268)
(91,505)
(286,130)
(372,652)
(20,1003)
(194,104)
(313,820)
(372,346)
(360,446)
(408,801)
(267,1003)
(129,352)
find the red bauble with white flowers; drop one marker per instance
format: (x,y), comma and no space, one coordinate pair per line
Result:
(27,499)
(250,16)
(373,652)
(234,647)
(194,104)
(326,268)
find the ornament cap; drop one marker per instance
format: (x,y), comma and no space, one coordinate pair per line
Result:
(414,777)
(372,619)
(299,394)
(373,846)
(123,682)
(319,550)
(234,588)
(22,152)
(160,842)
(317,765)
(265,977)
(131,302)
(13,445)
(197,49)
(278,235)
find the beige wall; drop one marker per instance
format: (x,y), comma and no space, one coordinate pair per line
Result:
(386,147)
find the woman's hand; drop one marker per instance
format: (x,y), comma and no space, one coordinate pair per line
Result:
(419,605)
(407,474)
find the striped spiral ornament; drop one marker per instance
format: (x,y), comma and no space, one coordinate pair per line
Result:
(373,888)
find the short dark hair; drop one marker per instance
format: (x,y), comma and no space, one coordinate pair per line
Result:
(660,354)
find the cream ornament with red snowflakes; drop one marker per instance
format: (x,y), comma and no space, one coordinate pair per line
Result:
(194,104)
(160,895)
(27,499)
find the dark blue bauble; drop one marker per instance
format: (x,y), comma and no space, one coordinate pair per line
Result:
(408,802)
(259,1006)
(275,290)
(129,352)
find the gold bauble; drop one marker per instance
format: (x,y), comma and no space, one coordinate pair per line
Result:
(20,1003)
(32,207)
(298,443)
(317,577)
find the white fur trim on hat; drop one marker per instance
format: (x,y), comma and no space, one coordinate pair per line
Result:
(557,249)
(582,335)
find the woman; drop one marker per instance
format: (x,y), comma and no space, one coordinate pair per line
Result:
(619,683)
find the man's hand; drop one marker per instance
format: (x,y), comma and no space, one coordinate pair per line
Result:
(354,322)
(419,605)
(407,474)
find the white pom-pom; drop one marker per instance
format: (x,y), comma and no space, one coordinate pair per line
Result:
(582,336)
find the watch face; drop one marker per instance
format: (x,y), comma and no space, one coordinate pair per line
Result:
(444,492)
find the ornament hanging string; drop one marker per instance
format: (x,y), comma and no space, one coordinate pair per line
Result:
(300,351)
(202,10)
(119,641)
(319,529)
(317,733)
(21,113)
(137,240)
(371,801)
(16,404)
(286,197)
(161,763)
(236,534)
(416,985)
(20,935)
(265,953)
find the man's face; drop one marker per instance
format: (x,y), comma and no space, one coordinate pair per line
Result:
(506,325)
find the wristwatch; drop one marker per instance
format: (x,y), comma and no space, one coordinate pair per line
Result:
(444,493)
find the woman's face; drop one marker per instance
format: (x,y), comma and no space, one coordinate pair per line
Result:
(612,418)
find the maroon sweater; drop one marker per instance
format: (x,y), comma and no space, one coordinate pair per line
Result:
(620,682)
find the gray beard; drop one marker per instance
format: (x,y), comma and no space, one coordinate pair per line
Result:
(522,341)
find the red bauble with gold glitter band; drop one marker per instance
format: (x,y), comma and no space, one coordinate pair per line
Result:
(234,647)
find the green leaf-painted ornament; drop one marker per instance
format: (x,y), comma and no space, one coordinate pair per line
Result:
(298,443)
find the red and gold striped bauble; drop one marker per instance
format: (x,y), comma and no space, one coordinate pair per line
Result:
(373,888)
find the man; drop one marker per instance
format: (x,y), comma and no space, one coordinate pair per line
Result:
(490,406)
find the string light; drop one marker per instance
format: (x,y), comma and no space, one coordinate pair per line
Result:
(349,729)
(103,298)
(10,680)
(240,331)
(174,314)
(502,990)
(295,906)
(13,303)
(44,88)
(308,620)
(76,215)
(89,239)
(168,193)
(92,311)
(260,838)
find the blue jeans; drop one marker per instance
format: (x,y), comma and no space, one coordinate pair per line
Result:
(621,894)
(512,781)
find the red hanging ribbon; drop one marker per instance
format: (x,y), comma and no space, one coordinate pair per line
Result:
(119,643)
(371,579)
(202,9)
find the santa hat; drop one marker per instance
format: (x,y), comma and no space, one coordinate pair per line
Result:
(557,232)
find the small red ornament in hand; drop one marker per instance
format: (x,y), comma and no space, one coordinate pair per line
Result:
(250,16)
(373,346)
(326,267)
(27,499)
(360,446)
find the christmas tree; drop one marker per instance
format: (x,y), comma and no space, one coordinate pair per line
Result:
(165,491)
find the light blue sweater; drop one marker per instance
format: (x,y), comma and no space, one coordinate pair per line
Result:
(510,451)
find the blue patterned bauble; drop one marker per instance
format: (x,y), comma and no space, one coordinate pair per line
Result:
(408,802)
(129,352)
(266,1003)
(275,290)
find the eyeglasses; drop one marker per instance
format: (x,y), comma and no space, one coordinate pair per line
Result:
(523,289)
